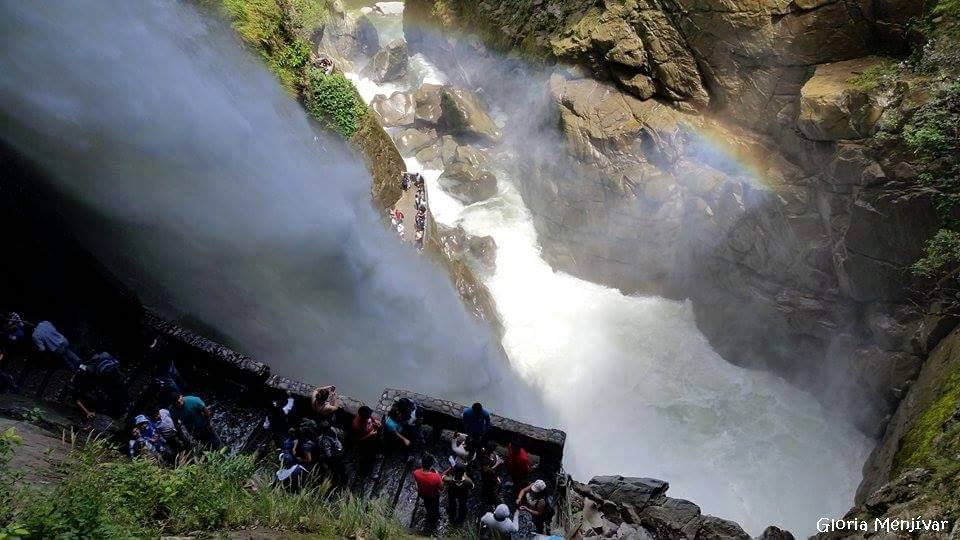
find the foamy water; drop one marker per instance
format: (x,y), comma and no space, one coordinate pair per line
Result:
(640,391)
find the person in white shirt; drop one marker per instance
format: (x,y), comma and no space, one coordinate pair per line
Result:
(499,520)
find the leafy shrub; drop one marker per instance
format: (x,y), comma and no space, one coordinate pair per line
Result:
(933,135)
(941,254)
(332,100)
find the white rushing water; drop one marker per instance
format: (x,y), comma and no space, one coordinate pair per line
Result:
(640,391)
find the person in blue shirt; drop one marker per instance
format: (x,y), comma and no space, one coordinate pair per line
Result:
(476,424)
(47,339)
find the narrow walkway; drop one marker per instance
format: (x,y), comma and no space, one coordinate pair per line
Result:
(407,206)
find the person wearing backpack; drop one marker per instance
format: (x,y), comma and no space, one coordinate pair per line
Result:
(330,450)
(459,486)
(106,369)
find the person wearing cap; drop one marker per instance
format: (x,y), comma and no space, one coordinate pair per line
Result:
(499,520)
(146,439)
(459,486)
(533,499)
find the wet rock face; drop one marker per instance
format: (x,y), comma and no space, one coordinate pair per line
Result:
(389,64)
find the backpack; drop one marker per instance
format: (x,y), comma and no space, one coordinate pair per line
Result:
(105,364)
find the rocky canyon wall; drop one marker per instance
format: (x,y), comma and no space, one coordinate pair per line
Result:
(725,153)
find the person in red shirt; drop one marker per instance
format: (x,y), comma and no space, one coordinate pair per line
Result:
(429,485)
(365,436)
(518,464)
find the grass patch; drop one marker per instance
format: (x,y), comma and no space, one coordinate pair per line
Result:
(104,495)
(876,76)
(947,8)
(334,101)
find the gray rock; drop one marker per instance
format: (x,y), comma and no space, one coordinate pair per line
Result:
(468,184)
(674,518)
(412,140)
(714,528)
(427,99)
(775,533)
(484,250)
(462,114)
(628,490)
(366,36)
(389,64)
(396,110)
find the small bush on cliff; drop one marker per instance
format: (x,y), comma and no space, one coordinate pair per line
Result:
(101,494)
(941,255)
(933,135)
(332,100)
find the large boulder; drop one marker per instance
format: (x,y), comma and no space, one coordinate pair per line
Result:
(714,528)
(427,101)
(413,140)
(628,490)
(455,111)
(396,110)
(835,105)
(462,114)
(389,64)
(366,36)
(467,183)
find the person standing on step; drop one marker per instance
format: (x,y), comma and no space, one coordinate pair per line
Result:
(459,486)
(476,424)
(429,486)
(194,414)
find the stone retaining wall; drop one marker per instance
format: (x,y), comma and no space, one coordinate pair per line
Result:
(443,414)
(199,353)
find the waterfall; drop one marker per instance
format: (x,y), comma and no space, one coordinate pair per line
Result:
(206,190)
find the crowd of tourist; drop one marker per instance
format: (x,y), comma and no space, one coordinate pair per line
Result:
(166,422)
(313,435)
(415,180)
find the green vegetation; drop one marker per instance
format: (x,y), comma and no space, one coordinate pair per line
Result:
(334,101)
(280,31)
(927,439)
(941,255)
(266,27)
(101,494)
(947,8)
(877,76)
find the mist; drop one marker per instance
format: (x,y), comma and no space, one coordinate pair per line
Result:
(211,195)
